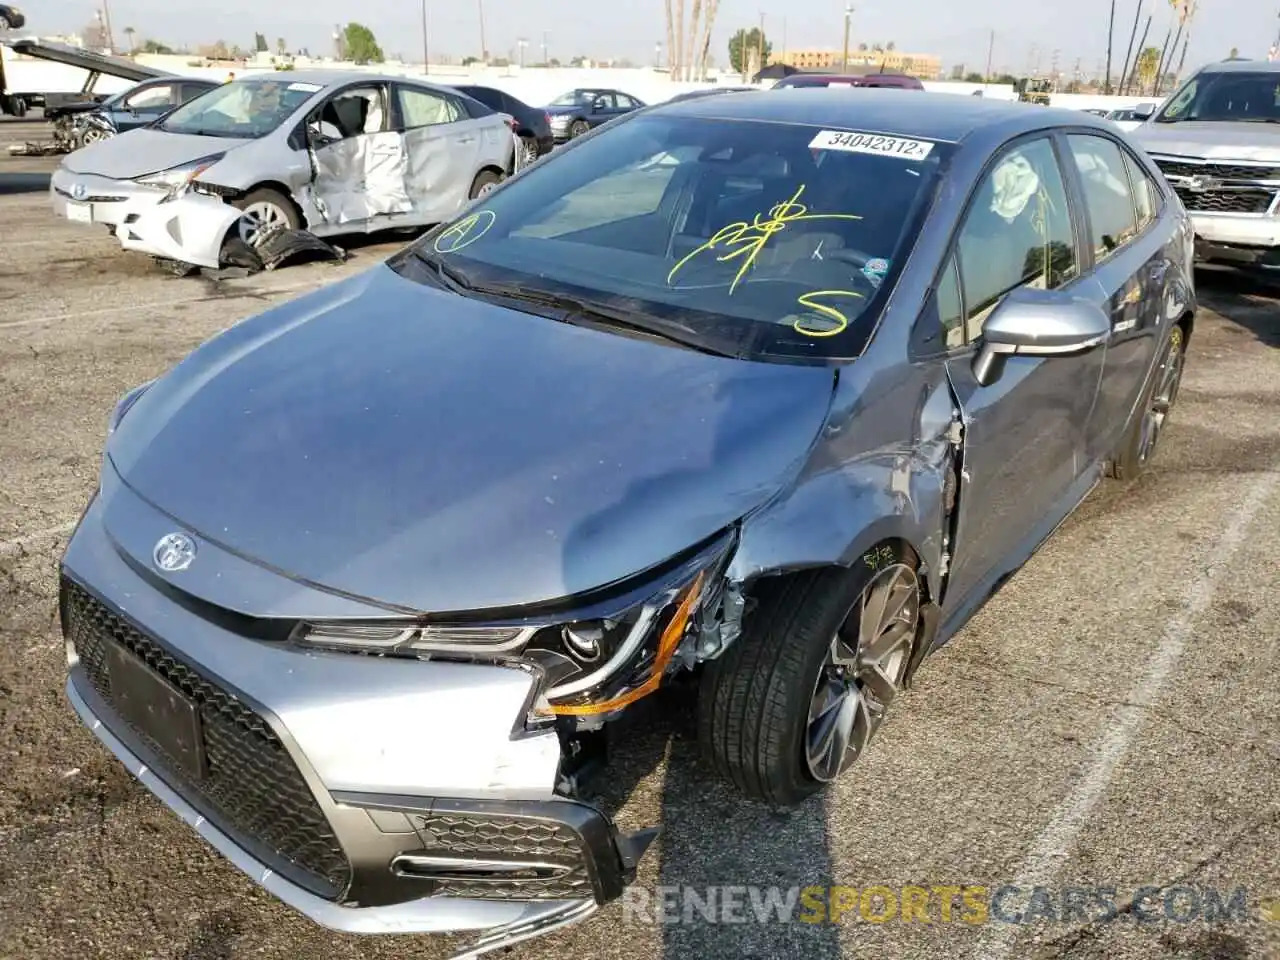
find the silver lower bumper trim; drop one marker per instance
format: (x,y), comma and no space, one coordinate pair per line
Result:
(504,922)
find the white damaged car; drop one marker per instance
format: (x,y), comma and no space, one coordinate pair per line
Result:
(326,152)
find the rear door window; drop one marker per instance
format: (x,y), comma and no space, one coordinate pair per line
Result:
(1112,218)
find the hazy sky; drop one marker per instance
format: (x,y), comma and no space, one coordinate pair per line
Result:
(956,32)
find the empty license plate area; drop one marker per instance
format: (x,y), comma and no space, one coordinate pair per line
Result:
(157,709)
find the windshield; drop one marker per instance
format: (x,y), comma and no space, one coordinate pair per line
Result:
(1226,95)
(573,98)
(243,108)
(751,238)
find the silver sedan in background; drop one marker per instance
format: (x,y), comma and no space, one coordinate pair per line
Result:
(329,152)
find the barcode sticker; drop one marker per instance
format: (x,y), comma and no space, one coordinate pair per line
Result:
(877,143)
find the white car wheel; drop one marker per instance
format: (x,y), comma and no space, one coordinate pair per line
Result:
(260,215)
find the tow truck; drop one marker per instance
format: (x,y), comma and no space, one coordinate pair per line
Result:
(17,102)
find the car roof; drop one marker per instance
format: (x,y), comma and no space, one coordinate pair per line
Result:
(933,116)
(333,78)
(1242,66)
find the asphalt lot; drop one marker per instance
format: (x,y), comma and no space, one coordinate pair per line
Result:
(1110,719)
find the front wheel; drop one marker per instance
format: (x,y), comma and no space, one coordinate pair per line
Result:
(264,209)
(528,151)
(799,695)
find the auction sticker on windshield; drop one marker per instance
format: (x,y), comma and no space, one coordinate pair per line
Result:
(852,141)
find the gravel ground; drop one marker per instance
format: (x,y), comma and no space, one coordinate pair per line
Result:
(1110,719)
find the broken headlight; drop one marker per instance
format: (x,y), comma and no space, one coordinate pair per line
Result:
(610,656)
(177,180)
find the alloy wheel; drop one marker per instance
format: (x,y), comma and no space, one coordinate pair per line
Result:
(259,216)
(528,152)
(93,135)
(486,188)
(1168,379)
(862,672)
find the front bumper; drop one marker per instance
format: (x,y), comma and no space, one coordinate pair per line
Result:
(189,228)
(370,795)
(1243,241)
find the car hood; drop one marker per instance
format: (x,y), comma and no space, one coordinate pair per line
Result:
(395,442)
(1211,140)
(140,152)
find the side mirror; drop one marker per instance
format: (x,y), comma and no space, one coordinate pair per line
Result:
(1036,323)
(1143,111)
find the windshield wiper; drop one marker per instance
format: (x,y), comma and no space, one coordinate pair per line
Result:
(450,277)
(605,315)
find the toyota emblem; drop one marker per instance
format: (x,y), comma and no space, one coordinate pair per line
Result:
(174,552)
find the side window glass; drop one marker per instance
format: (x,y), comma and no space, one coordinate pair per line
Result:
(1146,195)
(1106,193)
(351,113)
(1016,233)
(152,98)
(950,307)
(423,108)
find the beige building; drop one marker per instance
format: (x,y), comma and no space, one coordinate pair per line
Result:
(923,65)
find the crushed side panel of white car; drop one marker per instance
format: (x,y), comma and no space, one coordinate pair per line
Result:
(360,178)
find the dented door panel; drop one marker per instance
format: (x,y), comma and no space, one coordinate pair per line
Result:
(359,179)
(435,172)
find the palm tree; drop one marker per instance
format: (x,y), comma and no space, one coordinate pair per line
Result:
(1148,64)
(129,32)
(890,45)
(690,53)
(671,38)
(704,47)
(280,46)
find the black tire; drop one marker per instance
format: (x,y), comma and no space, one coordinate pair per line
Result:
(753,705)
(1133,455)
(19,107)
(485,180)
(578,128)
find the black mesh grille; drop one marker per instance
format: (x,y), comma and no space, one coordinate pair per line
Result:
(253,791)
(1222,171)
(499,837)
(1226,201)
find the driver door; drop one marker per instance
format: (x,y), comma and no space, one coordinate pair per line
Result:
(1027,436)
(358,161)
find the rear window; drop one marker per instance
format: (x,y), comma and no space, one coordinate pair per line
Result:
(765,239)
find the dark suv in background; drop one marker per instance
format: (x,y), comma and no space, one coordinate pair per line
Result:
(533,126)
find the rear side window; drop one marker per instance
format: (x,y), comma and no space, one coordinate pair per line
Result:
(1106,193)
(425,108)
(1146,195)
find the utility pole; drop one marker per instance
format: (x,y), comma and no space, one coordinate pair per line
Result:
(545,61)
(991,49)
(784,40)
(426,58)
(484,49)
(848,15)
(1111,32)
(1124,70)
(522,43)
(106,22)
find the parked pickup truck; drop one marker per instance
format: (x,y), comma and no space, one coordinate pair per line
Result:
(1217,141)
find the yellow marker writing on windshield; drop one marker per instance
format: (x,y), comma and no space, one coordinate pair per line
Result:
(809,300)
(746,240)
(465,232)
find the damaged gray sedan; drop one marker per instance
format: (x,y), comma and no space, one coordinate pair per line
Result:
(772,393)
(327,152)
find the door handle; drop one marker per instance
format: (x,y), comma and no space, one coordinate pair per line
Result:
(466,139)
